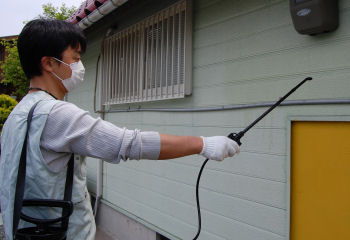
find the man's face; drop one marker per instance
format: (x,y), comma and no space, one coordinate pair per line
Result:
(70,55)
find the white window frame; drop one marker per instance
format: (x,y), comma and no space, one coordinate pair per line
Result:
(146,61)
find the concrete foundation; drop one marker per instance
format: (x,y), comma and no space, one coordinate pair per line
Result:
(120,226)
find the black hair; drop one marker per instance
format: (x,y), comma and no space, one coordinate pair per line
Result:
(44,37)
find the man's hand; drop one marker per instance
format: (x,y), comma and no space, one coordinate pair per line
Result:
(219,147)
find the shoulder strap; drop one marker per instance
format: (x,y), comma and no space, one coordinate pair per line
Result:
(68,189)
(21,177)
(19,193)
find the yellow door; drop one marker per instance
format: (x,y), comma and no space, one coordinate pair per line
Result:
(320,181)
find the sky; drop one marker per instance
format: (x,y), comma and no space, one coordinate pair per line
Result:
(15,12)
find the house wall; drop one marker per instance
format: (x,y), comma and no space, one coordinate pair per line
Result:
(243,52)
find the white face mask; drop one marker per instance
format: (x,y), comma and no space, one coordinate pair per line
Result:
(77,76)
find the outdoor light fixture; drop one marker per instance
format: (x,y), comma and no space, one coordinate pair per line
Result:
(314,16)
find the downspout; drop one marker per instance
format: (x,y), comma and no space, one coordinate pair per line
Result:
(99,180)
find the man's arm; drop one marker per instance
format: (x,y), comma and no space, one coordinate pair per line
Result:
(179,146)
(71,129)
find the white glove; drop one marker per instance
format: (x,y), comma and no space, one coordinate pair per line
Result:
(219,147)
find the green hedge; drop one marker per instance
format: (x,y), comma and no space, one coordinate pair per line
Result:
(7,103)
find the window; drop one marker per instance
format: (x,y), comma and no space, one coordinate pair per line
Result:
(150,60)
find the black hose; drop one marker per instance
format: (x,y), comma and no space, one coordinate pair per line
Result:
(197,198)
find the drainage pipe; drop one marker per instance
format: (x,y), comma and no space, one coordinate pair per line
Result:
(235,107)
(99,173)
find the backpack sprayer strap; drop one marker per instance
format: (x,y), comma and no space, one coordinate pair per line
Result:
(19,193)
(68,191)
(21,177)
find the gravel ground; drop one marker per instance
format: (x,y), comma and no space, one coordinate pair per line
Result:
(2,235)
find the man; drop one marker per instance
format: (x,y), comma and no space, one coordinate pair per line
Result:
(50,52)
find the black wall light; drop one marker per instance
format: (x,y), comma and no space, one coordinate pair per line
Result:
(314,16)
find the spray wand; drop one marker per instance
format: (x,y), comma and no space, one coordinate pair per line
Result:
(237,138)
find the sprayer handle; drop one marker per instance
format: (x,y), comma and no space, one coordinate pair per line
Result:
(236,137)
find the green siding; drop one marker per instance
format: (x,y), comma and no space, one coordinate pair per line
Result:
(243,52)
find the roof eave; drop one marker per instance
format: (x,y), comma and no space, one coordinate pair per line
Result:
(95,15)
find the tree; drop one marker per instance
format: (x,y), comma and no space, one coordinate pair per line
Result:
(60,13)
(6,105)
(13,75)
